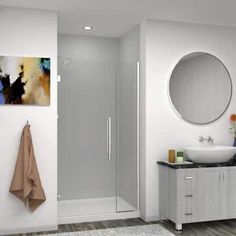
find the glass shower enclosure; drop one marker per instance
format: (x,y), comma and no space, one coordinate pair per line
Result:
(98,125)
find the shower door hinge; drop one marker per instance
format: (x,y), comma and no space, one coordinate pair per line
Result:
(58,197)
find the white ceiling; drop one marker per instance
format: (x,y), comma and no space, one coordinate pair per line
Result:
(113,18)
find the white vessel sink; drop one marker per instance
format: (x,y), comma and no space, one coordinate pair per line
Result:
(210,154)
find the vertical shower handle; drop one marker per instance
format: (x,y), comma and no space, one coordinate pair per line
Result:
(109,138)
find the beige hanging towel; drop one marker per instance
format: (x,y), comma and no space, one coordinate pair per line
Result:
(26,184)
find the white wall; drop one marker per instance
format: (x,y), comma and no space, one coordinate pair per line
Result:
(163,44)
(127,117)
(29,33)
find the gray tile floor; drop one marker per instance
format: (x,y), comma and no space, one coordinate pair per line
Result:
(214,228)
(91,226)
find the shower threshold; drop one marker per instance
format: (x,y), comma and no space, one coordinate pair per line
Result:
(94,209)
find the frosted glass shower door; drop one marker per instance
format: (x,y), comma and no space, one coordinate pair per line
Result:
(87,98)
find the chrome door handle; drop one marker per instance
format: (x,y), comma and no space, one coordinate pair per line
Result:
(222,176)
(189,177)
(189,214)
(109,138)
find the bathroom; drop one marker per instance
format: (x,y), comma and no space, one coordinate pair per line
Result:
(98,142)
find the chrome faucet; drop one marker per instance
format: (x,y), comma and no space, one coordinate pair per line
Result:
(209,139)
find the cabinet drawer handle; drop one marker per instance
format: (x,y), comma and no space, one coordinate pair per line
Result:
(189,195)
(189,177)
(189,214)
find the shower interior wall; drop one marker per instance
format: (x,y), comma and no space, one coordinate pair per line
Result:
(98,80)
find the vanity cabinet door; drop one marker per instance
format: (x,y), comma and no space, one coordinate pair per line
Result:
(208,193)
(229,192)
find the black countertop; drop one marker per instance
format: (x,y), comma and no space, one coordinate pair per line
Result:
(196,165)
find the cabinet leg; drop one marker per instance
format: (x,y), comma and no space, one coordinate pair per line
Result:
(178,226)
(162,218)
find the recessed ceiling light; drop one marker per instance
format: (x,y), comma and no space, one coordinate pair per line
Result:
(88,28)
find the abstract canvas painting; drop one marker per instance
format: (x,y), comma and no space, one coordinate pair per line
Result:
(24,81)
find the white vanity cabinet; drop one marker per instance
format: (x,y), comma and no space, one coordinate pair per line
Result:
(197,194)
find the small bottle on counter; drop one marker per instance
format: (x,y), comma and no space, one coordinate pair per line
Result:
(179,157)
(171,156)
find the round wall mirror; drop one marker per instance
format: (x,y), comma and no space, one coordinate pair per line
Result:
(200,88)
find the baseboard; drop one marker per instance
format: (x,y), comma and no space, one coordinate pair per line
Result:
(150,218)
(97,217)
(28,230)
